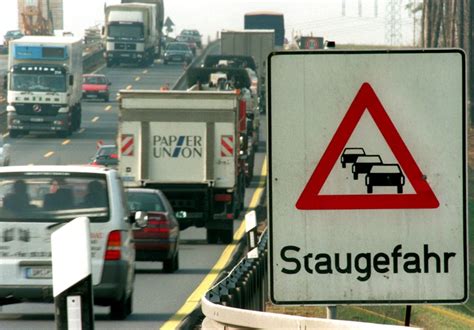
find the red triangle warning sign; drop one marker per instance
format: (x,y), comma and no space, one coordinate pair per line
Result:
(367,100)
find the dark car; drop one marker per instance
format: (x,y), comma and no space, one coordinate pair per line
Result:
(385,175)
(177,52)
(159,240)
(363,164)
(95,86)
(349,155)
(106,155)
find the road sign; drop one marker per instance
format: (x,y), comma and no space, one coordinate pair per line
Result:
(367,180)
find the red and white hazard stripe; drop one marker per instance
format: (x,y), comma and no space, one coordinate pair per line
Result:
(127,145)
(227,146)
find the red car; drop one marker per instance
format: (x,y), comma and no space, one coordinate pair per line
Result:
(95,86)
(159,240)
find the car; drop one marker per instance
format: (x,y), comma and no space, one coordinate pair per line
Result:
(96,86)
(159,240)
(193,34)
(11,35)
(363,164)
(5,152)
(349,155)
(385,175)
(177,52)
(106,155)
(190,41)
(36,200)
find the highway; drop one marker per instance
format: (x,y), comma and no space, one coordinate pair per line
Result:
(157,296)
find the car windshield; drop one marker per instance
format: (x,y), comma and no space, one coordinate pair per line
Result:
(38,82)
(53,197)
(177,47)
(94,80)
(134,31)
(107,151)
(385,169)
(144,201)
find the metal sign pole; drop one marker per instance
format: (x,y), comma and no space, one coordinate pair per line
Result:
(331,312)
(407,315)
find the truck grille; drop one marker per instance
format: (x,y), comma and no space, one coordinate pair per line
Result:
(37,109)
(124,46)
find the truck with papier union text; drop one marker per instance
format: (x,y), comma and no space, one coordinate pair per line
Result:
(44,85)
(186,144)
(131,34)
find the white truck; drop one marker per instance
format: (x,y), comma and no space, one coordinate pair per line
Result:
(44,85)
(130,34)
(186,144)
(256,43)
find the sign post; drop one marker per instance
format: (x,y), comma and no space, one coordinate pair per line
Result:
(367,179)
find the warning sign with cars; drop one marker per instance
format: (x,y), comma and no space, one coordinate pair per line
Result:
(367,180)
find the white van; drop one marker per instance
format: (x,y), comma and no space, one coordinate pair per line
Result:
(34,202)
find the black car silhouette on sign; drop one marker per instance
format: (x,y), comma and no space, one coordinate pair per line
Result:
(350,155)
(363,164)
(385,175)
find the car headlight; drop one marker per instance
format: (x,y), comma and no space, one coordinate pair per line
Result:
(10,108)
(63,110)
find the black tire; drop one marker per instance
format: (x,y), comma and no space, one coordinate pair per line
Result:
(165,62)
(121,309)
(370,189)
(109,64)
(212,236)
(14,133)
(107,98)
(171,265)
(227,236)
(399,189)
(343,165)
(356,176)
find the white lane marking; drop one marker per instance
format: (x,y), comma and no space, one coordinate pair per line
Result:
(108,108)
(65,142)
(48,154)
(96,118)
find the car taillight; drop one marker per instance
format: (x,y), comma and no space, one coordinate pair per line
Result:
(223,198)
(113,246)
(94,162)
(157,224)
(114,156)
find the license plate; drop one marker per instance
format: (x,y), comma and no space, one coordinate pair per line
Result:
(37,120)
(92,96)
(38,272)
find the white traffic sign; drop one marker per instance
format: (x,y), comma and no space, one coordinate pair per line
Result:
(367,180)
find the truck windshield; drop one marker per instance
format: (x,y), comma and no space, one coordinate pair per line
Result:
(38,82)
(126,31)
(53,197)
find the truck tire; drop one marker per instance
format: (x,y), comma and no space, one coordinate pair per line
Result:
(171,265)
(212,236)
(227,236)
(119,310)
(14,133)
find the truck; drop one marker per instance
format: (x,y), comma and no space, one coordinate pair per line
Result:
(231,76)
(130,34)
(187,144)
(160,17)
(44,85)
(256,43)
(267,20)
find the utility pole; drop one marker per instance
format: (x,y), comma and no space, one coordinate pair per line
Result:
(393,22)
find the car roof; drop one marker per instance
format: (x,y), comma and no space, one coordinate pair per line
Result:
(143,190)
(54,169)
(93,75)
(385,168)
(363,158)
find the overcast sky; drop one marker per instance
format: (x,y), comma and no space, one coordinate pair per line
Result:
(319,17)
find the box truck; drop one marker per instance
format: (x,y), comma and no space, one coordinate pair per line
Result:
(44,85)
(186,144)
(130,34)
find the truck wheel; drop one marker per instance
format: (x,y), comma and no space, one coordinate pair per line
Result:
(171,265)
(109,64)
(14,133)
(121,309)
(227,236)
(212,236)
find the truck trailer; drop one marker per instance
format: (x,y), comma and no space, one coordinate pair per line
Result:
(44,85)
(187,144)
(130,34)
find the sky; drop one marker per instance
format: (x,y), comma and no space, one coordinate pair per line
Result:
(304,17)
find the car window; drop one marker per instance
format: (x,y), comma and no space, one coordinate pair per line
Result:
(144,201)
(95,80)
(107,151)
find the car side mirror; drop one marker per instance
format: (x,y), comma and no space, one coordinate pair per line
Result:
(140,218)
